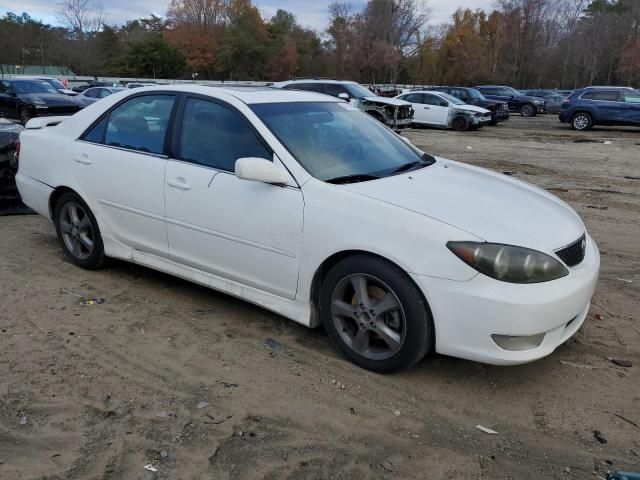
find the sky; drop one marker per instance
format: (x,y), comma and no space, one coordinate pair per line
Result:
(310,13)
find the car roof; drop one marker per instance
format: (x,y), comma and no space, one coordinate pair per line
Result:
(595,87)
(247,94)
(315,80)
(434,92)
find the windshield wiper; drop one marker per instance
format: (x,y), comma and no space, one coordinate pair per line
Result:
(358,177)
(425,162)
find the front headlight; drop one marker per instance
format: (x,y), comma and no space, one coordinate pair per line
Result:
(509,263)
(39,101)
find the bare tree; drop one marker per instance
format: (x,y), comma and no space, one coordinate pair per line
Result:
(81,17)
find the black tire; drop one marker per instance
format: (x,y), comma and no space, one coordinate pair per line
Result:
(581,121)
(25,114)
(90,258)
(528,110)
(460,124)
(416,325)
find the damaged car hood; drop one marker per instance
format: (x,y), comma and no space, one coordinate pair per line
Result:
(471,108)
(486,204)
(389,101)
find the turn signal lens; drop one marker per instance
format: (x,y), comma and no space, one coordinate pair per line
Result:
(509,263)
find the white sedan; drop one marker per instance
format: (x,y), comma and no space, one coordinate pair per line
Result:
(439,109)
(310,208)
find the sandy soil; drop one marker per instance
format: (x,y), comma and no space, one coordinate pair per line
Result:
(100,391)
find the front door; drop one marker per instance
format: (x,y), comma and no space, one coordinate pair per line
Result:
(631,107)
(437,110)
(120,165)
(244,231)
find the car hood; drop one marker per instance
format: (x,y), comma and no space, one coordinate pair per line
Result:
(485,204)
(390,101)
(51,99)
(471,108)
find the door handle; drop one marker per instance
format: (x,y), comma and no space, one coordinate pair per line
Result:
(83,159)
(179,183)
(427,108)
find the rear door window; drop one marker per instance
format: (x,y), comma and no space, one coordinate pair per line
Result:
(413,98)
(309,87)
(140,123)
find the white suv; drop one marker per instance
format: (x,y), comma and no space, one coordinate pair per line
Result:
(396,114)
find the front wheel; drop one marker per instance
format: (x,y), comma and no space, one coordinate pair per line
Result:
(375,315)
(25,115)
(460,124)
(528,110)
(78,231)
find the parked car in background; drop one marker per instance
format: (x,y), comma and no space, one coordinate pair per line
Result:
(82,88)
(472,96)
(439,109)
(552,98)
(54,82)
(601,106)
(396,252)
(518,102)
(25,99)
(394,113)
(139,84)
(93,94)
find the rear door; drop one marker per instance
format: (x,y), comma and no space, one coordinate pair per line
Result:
(420,110)
(607,105)
(120,163)
(244,231)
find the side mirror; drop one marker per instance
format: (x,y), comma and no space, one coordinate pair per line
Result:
(343,96)
(260,170)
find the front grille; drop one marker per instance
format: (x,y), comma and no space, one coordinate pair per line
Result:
(573,254)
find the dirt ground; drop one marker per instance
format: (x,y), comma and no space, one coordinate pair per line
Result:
(204,386)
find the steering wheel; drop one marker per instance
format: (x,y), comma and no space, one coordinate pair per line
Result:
(352,149)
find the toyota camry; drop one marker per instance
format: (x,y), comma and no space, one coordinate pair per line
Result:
(304,205)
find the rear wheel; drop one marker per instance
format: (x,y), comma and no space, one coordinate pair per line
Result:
(581,121)
(460,124)
(78,231)
(528,110)
(375,315)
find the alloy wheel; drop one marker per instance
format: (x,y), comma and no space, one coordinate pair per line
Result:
(527,111)
(368,316)
(581,122)
(77,230)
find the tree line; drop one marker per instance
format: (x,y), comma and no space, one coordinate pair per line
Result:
(526,43)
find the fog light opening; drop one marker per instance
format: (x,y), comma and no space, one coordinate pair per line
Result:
(518,343)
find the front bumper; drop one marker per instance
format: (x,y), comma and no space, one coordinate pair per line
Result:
(541,108)
(402,123)
(467,314)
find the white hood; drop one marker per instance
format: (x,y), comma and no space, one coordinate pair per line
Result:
(471,108)
(488,205)
(390,101)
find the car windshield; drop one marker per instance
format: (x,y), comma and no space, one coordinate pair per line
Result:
(475,93)
(358,91)
(451,99)
(514,91)
(33,86)
(55,83)
(338,143)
